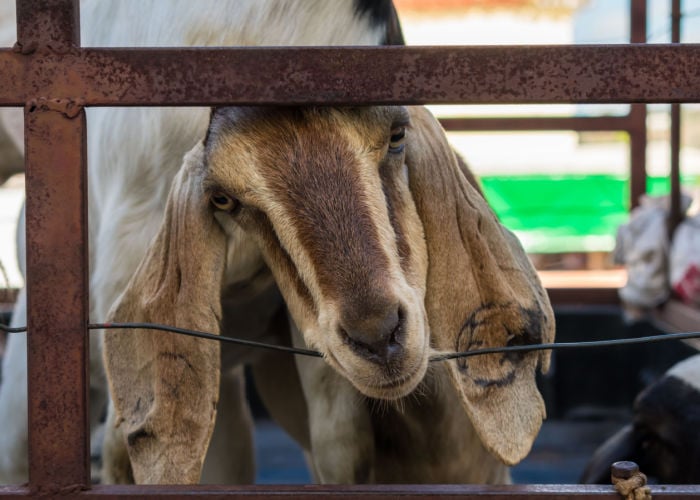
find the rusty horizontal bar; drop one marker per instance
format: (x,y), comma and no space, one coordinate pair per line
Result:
(576,123)
(368,75)
(405,492)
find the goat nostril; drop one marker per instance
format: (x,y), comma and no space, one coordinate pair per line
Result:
(378,339)
(398,333)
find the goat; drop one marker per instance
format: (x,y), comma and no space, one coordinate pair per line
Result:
(10,158)
(663,437)
(133,155)
(383,253)
(10,128)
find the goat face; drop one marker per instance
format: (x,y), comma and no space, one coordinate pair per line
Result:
(324,193)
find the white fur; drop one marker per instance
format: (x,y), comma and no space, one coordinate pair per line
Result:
(133,153)
(688,371)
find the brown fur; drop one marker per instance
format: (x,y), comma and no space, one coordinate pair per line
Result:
(477,264)
(349,230)
(165,387)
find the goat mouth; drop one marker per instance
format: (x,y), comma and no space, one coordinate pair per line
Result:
(392,389)
(395,388)
(396,383)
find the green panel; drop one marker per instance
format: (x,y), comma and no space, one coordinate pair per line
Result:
(565,213)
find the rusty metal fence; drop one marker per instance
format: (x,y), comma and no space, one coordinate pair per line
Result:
(53,78)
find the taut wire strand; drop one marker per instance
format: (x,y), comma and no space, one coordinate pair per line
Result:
(203,335)
(437,357)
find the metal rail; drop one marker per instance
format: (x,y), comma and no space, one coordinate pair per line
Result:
(367,75)
(383,492)
(53,78)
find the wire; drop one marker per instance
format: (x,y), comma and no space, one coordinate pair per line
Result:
(183,331)
(569,345)
(435,358)
(204,335)
(7,329)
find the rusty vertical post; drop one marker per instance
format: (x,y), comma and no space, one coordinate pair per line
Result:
(675,215)
(57,284)
(48,25)
(57,287)
(638,113)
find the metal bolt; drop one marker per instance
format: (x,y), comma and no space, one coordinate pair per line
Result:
(624,470)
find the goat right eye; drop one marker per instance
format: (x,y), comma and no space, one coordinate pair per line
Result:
(396,140)
(222,201)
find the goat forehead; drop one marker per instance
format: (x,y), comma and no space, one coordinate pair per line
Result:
(247,145)
(244,120)
(316,170)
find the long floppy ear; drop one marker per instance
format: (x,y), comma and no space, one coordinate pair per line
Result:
(481,292)
(165,386)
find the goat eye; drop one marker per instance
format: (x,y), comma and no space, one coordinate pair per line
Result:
(396,140)
(222,201)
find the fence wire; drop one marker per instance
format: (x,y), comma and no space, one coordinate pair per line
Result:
(435,358)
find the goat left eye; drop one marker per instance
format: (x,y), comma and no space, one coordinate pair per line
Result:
(222,201)
(396,140)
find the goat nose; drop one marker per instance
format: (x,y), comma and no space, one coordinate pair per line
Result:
(377,337)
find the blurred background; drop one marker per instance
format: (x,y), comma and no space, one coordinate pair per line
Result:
(563,192)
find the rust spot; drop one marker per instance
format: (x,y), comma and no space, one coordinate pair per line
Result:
(70,108)
(25,48)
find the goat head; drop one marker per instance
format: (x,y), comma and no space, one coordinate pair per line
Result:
(383,251)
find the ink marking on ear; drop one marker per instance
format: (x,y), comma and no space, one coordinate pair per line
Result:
(531,331)
(176,356)
(133,438)
(496,325)
(505,381)
(470,337)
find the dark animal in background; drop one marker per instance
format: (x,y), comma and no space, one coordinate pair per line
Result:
(664,436)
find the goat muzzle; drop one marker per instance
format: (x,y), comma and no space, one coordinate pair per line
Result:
(376,337)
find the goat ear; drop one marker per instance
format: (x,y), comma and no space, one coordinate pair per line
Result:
(165,386)
(481,292)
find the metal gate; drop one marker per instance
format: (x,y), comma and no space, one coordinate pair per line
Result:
(53,78)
